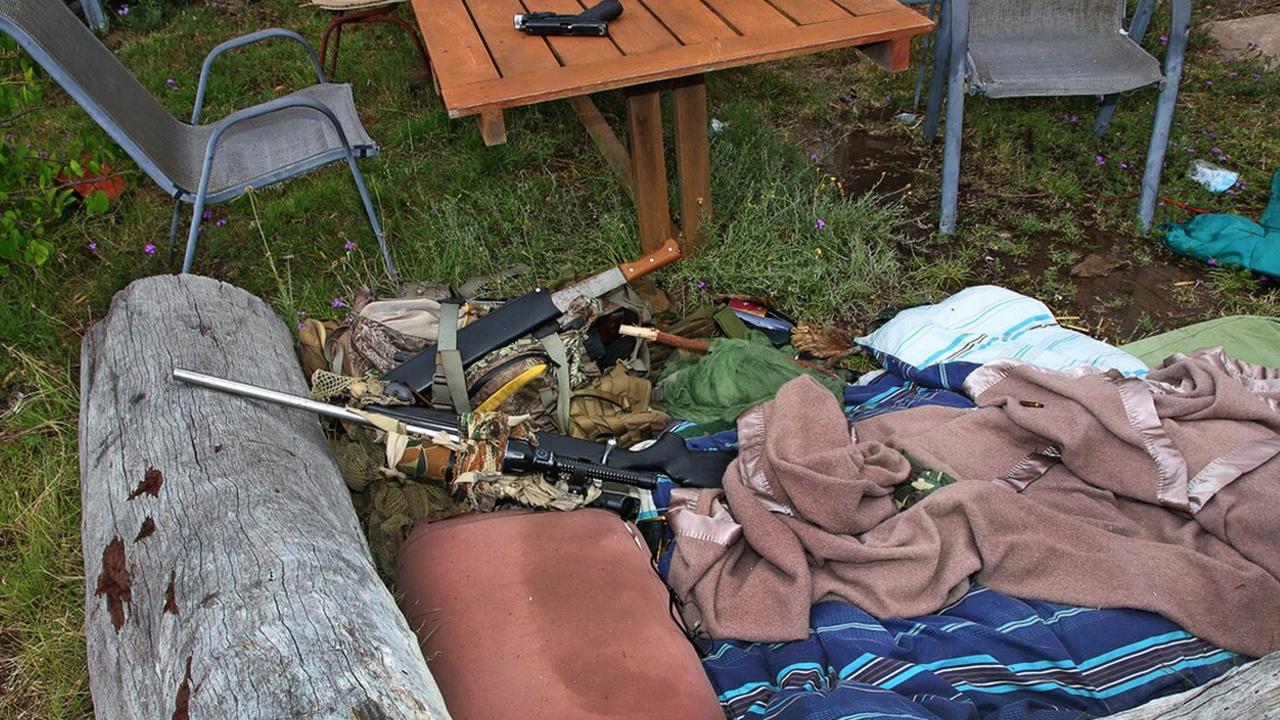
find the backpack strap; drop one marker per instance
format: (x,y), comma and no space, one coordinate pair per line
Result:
(559,355)
(449,387)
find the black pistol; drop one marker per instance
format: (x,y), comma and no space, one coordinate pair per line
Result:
(593,22)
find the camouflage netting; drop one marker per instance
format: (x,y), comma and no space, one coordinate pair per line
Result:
(388,507)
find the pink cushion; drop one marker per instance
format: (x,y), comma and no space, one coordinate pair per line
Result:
(548,616)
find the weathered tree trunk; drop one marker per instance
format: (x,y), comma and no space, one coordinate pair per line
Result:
(226,574)
(1250,691)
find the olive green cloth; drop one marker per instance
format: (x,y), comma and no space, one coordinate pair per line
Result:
(733,376)
(1252,338)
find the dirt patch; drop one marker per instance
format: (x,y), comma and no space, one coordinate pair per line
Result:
(871,163)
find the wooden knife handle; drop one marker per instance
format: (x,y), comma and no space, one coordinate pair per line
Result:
(660,258)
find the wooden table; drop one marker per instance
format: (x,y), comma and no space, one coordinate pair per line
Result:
(483,65)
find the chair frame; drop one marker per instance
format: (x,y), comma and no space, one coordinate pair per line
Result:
(384,15)
(950,66)
(201,196)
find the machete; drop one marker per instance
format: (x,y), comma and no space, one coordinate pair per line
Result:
(525,314)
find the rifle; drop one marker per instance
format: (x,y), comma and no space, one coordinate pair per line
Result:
(579,462)
(521,317)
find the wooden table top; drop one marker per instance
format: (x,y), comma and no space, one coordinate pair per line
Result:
(483,64)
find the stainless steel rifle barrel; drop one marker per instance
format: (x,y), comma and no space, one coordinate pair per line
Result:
(294,401)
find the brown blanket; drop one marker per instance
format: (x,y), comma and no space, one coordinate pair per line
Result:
(1083,488)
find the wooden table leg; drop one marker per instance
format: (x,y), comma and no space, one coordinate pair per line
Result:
(693,157)
(493,128)
(649,167)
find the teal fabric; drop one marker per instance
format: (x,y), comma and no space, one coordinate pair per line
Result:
(1233,240)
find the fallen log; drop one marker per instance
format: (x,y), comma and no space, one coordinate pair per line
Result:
(1249,691)
(226,575)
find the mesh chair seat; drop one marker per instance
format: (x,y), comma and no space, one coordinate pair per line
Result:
(1065,65)
(275,146)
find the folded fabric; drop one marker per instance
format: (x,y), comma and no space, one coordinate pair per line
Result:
(987,656)
(1252,338)
(939,345)
(732,377)
(1233,240)
(1085,488)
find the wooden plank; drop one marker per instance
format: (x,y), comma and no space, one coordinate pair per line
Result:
(576,50)
(516,53)
(637,30)
(1249,691)
(692,22)
(893,55)
(807,12)
(751,17)
(693,157)
(226,573)
(458,54)
(493,127)
(687,60)
(649,167)
(606,140)
(869,7)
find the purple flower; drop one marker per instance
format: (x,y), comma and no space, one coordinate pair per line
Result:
(42,155)
(1208,83)
(820,224)
(1256,76)
(302,313)
(813,157)
(149,249)
(1164,39)
(1074,120)
(123,9)
(206,215)
(847,98)
(220,222)
(299,325)
(1254,46)
(1099,160)
(93,246)
(1124,165)
(1211,262)
(170,81)
(337,303)
(1234,74)
(8,137)
(702,285)
(349,245)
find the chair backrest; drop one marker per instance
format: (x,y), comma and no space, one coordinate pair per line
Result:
(69,51)
(1010,19)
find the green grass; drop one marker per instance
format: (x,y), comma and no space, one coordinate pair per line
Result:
(1034,202)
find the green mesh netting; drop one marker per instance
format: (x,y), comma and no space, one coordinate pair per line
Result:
(735,375)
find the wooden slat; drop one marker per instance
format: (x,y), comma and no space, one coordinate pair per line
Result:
(869,7)
(515,52)
(576,50)
(686,60)
(692,22)
(807,12)
(693,157)
(606,140)
(637,30)
(649,167)
(458,54)
(751,17)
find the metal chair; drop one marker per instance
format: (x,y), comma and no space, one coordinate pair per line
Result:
(363,12)
(198,164)
(1035,48)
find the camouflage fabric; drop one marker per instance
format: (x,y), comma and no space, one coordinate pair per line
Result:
(616,405)
(483,484)
(919,483)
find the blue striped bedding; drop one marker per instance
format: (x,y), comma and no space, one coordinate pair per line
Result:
(987,656)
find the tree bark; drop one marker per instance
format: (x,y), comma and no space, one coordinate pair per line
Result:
(226,573)
(1249,691)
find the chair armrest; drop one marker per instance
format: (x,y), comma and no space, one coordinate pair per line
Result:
(268,34)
